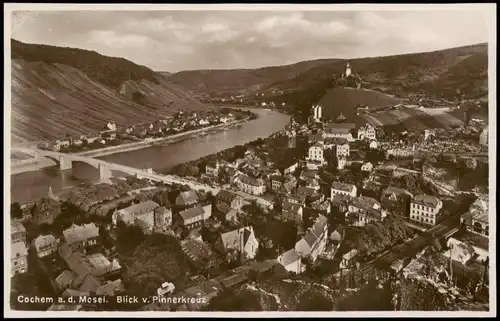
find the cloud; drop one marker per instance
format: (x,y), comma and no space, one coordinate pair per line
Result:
(181,40)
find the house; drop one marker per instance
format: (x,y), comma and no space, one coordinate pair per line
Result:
(292,212)
(342,148)
(17,232)
(81,236)
(199,253)
(45,245)
(341,162)
(45,210)
(129,214)
(322,206)
(426,209)
(476,220)
(291,261)
(348,259)
(367,167)
(459,251)
(162,218)
(251,185)
(225,200)
(339,130)
(18,258)
(193,217)
(291,169)
(238,244)
(315,153)
(363,203)
(343,189)
(313,243)
(396,200)
(373,144)
(367,131)
(90,271)
(187,198)
(276,182)
(340,202)
(399,152)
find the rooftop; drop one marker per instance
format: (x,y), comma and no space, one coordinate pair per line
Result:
(250,180)
(141,207)
(226,196)
(289,257)
(196,250)
(192,213)
(188,197)
(345,187)
(291,207)
(18,249)
(426,200)
(364,202)
(44,240)
(395,190)
(17,227)
(77,233)
(232,240)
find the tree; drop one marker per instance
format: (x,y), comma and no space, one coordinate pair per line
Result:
(416,295)
(16,211)
(232,300)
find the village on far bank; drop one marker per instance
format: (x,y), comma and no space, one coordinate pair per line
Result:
(327,202)
(181,123)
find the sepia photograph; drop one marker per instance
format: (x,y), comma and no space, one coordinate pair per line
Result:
(224,160)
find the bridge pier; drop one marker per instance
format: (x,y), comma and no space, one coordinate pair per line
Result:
(104,172)
(65,164)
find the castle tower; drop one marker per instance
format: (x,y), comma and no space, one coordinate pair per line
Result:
(347,69)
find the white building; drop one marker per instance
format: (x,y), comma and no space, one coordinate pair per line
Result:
(425,209)
(317,113)
(251,185)
(343,189)
(313,243)
(316,153)
(367,131)
(45,245)
(341,162)
(483,137)
(342,149)
(367,167)
(373,144)
(291,261)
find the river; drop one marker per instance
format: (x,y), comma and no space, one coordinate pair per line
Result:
(29,186)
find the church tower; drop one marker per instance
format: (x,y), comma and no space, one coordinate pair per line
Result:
(51,194)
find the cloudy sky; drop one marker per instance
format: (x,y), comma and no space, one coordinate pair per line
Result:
(185,40)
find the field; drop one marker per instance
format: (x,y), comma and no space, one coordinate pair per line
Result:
(413,119)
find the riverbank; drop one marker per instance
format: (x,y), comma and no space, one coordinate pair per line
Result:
(30,165)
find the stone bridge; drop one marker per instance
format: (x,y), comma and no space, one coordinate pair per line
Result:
(66,162)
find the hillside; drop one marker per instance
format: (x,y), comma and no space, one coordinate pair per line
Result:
(240,80)
(438,72)
(58,91)
(344,100)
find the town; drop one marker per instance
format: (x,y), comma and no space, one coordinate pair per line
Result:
(170,127)
(332,202)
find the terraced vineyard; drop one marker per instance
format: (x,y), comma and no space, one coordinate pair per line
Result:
(50,100)
(345,100)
